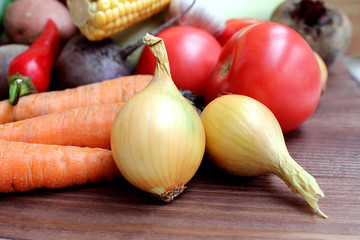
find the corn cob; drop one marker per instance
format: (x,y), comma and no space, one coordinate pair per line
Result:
(98,19)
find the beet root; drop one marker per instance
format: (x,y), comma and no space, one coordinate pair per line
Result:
(327,30)
(83,62)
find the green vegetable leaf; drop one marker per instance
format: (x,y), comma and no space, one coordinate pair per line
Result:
(19,86)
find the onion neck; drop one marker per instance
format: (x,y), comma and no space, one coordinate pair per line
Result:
(299,181)
(162,73)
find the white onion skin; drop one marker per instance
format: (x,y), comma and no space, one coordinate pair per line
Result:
(201,15)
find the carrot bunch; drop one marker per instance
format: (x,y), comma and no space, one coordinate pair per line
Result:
(61,138)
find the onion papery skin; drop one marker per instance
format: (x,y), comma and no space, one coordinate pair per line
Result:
(157,138)
(242,148)
(158,149)
(244,138)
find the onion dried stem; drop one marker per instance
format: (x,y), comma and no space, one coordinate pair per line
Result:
(299,181)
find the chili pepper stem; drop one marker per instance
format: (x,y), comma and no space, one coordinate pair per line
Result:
(19,86)
(14,91)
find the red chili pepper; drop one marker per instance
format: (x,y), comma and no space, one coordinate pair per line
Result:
(30,71)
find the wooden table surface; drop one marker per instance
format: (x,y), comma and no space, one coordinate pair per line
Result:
(216,205)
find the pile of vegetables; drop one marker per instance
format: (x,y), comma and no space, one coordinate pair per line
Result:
(203,85)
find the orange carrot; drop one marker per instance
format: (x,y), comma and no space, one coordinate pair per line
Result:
(88,126)
(110,91)
(29,166)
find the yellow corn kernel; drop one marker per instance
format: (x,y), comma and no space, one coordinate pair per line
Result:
(98,19)
(124,20)
(131,17)
(98,33)
(93,7)
(118,23)
(121,8)
(115,13)
(103,5)
(114,3)
(134,7)
(109,27)
(109,16)
(128,7)
(136,15)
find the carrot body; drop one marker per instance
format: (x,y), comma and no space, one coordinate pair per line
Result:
(88,126)
(27,166)
(109,91)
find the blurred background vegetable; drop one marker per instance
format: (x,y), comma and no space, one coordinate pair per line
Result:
(261,9)
(4,4)
(192,54)
(30,71)
(97,20)
(202,15)
(327,29)
(323,70)
(82,61)
(7,53)
(137,31)
(25,19)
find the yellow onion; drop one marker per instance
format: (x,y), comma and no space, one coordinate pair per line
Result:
(323,71)
(244,138)
(157,138)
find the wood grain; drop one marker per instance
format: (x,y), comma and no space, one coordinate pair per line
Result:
(216,205)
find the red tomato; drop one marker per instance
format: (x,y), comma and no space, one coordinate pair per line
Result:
(192,53)
(273,64)
(235,24)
